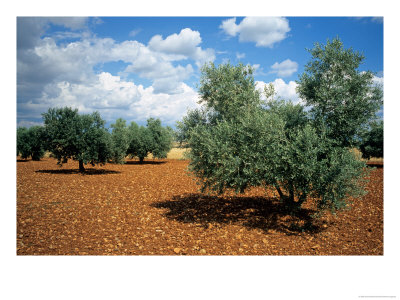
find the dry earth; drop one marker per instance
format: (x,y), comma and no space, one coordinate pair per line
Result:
(155,209)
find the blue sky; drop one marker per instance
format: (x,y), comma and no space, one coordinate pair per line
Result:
(141,67)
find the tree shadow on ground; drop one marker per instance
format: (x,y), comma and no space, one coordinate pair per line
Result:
(146,162)
(251,212)
(76,171)
(23,160)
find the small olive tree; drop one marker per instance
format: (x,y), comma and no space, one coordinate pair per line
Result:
(140,141)
(162,138)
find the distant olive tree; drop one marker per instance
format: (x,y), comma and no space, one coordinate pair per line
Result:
(79,137)
(23,147)
(162,138)
(141,141)
(31,142)
(154,139)
(120,141)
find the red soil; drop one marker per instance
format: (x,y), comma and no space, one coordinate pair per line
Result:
(156,209)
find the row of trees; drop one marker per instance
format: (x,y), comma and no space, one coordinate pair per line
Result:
(301,151)
(84,138)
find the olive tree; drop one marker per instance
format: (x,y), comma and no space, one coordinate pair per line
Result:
(152,138)
(23,147)
(79,137)
(140,141)
(162,138)
(242,142)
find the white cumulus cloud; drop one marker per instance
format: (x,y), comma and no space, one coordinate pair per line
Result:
(182,46)
(285,68)
(264,31)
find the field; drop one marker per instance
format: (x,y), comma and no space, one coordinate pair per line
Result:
(155,208)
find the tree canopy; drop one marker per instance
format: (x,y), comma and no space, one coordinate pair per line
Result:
(342,99)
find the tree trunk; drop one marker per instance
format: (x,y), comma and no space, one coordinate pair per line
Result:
(289,201)
(81,166)
(141,159)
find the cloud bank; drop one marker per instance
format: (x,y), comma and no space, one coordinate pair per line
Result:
(53,73)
